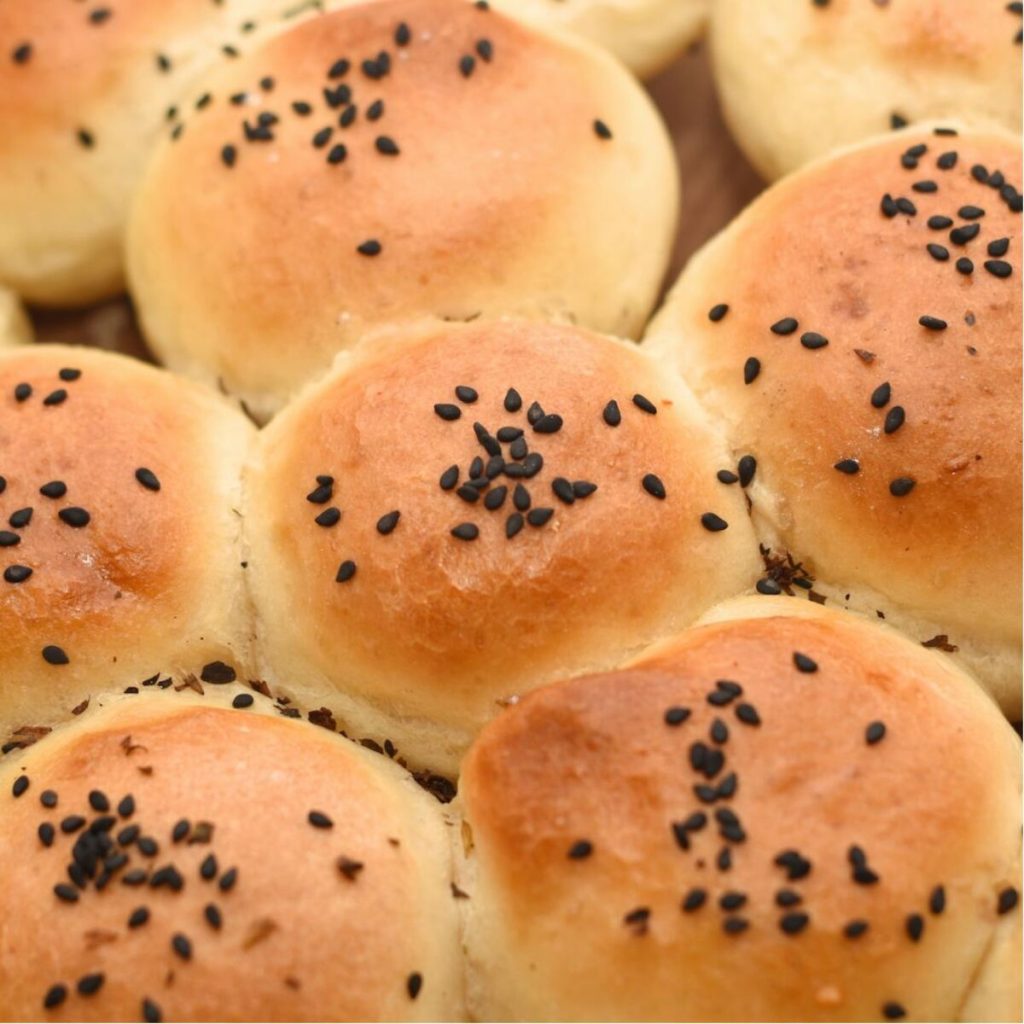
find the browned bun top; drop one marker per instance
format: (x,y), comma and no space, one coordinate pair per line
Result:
(890,455)
(597,531)
(774,817)
(119,549)
(173,858)
(84,91)
(843,70)
(398,158)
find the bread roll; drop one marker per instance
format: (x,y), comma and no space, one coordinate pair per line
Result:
(789,814)
(413,157)
(392,573)
(873,303)
(176,858)
(119,530)
(84,94)
(15,328)
(798,78)
(644,34)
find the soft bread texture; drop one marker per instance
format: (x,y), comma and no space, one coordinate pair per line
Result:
(644,34)
(432,633)
(84,94)
(486,185)
(594,759)
(349,922)
(15,328)
(942,561)
(152,580)
(799,78)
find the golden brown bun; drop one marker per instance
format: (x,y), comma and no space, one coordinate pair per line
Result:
(298,939)
(944,559)
(798,78)
(152,580)
(433,632)
(644,34)
(935,802)
(503,197)
(83,97)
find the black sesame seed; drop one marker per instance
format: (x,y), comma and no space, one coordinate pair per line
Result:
(371,247)
(855,929)
(654,487)
(242,700)
(21,53)
(937,252)
(74,516)
(998,268)
(8,539)
(495,498)
(735,925)
(388,522)
(788,898)
(612,415)
(751,368)
(513,524)
(55,397)
(812,340)
(717,312)
(54,655)
(550,423)
(881,395)
(645,405)
(732,900)
(539,516)
(21,783)
(874,733)
(447,411)
(937,900)
(719,732)
(915,927)
(904,205)
(449,478)
(65,892)
(319,820)
(181,945)
(151,1013)
(964,234)
(998,247)
(746,467)
(337,154)
(601,130)
(329,517)
(747,714)
(302,108)
(413,984)
(694,900)
(888,206)
(562,489)
(970,212)
(98,801)
(964,265)
(940,223)
(46,833)
(894,419)
(848,466)
(804,663)
(901,486)
(768,586)
(726,476)
(467,63)
(386,145)
(48,798)
(947,161)
(581,849)
(228,879)
(793,924)
(787,325)
(1007,900)
(55,995)
(713,523)
(217,672)
(90,984)
(513,400)
(22,392)
(138,917)
(212,915)
(893,1011)
(465,531)
(676,715)
(925,186)
(148,479)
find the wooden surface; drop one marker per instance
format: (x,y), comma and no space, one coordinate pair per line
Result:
(717,184)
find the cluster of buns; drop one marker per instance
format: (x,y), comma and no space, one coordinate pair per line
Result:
(511,670)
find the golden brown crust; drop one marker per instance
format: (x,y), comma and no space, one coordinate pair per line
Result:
(593,759)
(502,197)
(819,249)
(84,92)
(147,578)
(437,629)
(845,70)
(298,939)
